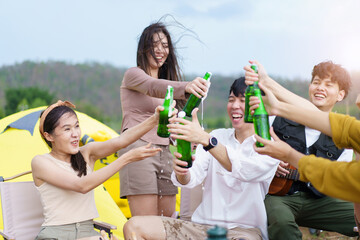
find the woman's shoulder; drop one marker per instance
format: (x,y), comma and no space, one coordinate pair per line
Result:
(134,76)
(39,157)
(39,160)
(133,70)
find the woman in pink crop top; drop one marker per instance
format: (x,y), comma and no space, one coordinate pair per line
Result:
(65,176)
(147,185)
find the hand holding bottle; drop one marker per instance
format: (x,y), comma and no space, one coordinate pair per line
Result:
(179,166)
(160,108)
(260,117)
(271,103)
(190,131)
(251,76)
(199,87)
(194,100)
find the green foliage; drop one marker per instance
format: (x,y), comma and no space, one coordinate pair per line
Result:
(219,122)
(19,99)
(38,102)
(23,105)
(95,89)
(2,113)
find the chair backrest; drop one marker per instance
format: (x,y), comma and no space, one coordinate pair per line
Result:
(21,209)
(190,200)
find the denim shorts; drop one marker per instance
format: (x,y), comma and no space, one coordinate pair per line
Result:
(68,231)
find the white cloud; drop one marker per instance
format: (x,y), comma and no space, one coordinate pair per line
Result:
(289,37)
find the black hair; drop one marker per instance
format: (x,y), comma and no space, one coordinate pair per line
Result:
(170,70)
(50,123)
(238,87)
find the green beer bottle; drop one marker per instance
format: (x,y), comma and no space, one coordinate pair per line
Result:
(184,147)
(249,91)
(260,118)
(162,130)
(194,101)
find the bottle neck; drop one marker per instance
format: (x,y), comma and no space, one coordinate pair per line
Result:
(257,92)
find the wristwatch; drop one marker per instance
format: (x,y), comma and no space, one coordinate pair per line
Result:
(212,143)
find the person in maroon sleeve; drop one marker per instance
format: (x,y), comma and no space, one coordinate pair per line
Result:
(148,186)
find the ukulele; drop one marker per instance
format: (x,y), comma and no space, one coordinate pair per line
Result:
(281,185)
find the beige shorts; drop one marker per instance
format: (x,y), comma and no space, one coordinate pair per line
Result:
(149,176)
(180,229)
(68,231)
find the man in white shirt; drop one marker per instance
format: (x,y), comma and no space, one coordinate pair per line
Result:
(236,180)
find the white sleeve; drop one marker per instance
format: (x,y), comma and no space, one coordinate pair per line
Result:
(249,166)
(271,120)
(346,156)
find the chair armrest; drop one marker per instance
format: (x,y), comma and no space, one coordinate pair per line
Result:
(5,236)
(105,225)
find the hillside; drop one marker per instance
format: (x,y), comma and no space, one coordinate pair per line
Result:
(94,88)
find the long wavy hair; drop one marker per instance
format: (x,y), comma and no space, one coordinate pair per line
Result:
(51,122)
(170,70)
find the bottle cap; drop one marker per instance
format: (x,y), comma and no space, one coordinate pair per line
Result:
(181,114)
(208,76)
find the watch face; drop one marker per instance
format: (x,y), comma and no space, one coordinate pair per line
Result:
(213,141)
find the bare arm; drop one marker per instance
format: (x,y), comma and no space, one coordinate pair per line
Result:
(313,118)
(278,149)
(46,171)
(191,131)
(98,150)
(279,91)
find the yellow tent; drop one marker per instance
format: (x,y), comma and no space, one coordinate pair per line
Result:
(20,141)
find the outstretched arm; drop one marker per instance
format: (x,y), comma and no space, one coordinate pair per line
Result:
(313,118)
(98,150)
(279,91)
(278,149)
(46,171)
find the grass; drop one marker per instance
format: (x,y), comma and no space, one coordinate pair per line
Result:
(324,235)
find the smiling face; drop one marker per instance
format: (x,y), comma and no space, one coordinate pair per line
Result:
(325,93)
(235,110)
(66,135)
(160,50)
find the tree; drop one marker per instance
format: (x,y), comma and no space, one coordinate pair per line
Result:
(18,99)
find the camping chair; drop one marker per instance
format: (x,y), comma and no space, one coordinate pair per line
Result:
(23,213)
(190,200)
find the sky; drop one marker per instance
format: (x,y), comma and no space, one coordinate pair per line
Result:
(220,36)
